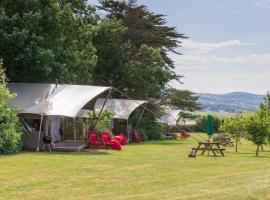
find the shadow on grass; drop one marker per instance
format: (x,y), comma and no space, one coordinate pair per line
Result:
(162,142)
(82,153)
(251,154)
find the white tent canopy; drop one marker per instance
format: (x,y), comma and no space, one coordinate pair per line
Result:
(121,108)
(29,95)
(63,100)
(170,117)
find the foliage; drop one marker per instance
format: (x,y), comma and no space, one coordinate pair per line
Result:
(181,99)
(258,124)
(137,57)
(144,27)
(10,132)
(145,122)
(104,121)
(46,40)
(151,131)
(143,133)
(201,123)
(235,126)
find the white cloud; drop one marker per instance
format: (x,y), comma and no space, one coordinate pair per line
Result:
(235,12)
(203,47)
(203,53)
(255,59)
(261,3)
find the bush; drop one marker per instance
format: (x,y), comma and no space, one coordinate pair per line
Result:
(154,134)
(151,131)
(10,131)
(202,121)
(143,133)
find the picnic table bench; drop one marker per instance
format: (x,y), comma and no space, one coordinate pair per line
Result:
(226,141)
(214,147)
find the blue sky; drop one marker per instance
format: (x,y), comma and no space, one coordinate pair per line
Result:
(228,47)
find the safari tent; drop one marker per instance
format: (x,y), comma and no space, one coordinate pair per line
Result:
(170,117)
(47,108)
(122,110)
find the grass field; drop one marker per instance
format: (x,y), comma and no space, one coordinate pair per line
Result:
(156,170)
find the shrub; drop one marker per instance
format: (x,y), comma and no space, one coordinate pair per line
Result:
(143,133)
(10,130)
(235,126)
(151,131)
(202,121)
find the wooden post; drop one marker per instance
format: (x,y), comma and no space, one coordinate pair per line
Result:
(257,150)
(99,114)
(74,129)
(39,132)
(128,132)
(236,144)
(140,117)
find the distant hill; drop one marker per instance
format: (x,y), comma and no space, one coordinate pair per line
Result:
(231,102)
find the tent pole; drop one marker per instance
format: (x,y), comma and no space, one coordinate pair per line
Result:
(39,132)
(74,129)
(128,132)
(139,120)
(99,114)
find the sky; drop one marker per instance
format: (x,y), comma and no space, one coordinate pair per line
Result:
(228,49)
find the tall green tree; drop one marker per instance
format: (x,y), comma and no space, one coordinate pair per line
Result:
(258,125)
(41,41)
(141,50)
(235,126)
(145,70)
(144,27)
(181,99)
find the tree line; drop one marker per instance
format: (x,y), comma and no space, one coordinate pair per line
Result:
(117,43)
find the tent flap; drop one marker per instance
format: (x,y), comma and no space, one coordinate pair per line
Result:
(170,117)
(121,108)
(63,100)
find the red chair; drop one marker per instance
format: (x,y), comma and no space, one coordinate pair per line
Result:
(122,138)
(106,139)
(93,139)
(138,136)
(184,135)
(116,145)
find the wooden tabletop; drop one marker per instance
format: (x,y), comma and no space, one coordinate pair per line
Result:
(209,142)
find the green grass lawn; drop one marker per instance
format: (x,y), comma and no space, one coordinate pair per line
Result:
(156,170)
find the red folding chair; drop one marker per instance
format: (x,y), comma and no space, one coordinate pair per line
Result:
(183,135)
(116,145)
(122,138)
(93,139)
(138,136)
(106,139)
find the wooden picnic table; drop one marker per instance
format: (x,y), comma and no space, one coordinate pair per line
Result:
(214,147)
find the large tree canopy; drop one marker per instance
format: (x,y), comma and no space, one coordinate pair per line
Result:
(41,41)
(144,27)
(66,40)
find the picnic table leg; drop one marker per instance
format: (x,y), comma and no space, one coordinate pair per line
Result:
(221,151)
(214,152)
(203,151)
(195,152)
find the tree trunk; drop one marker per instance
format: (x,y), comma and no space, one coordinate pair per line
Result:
(257,150)
(236,144)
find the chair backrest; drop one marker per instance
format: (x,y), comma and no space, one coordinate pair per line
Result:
(106,139)
(137,135)
(93,138)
